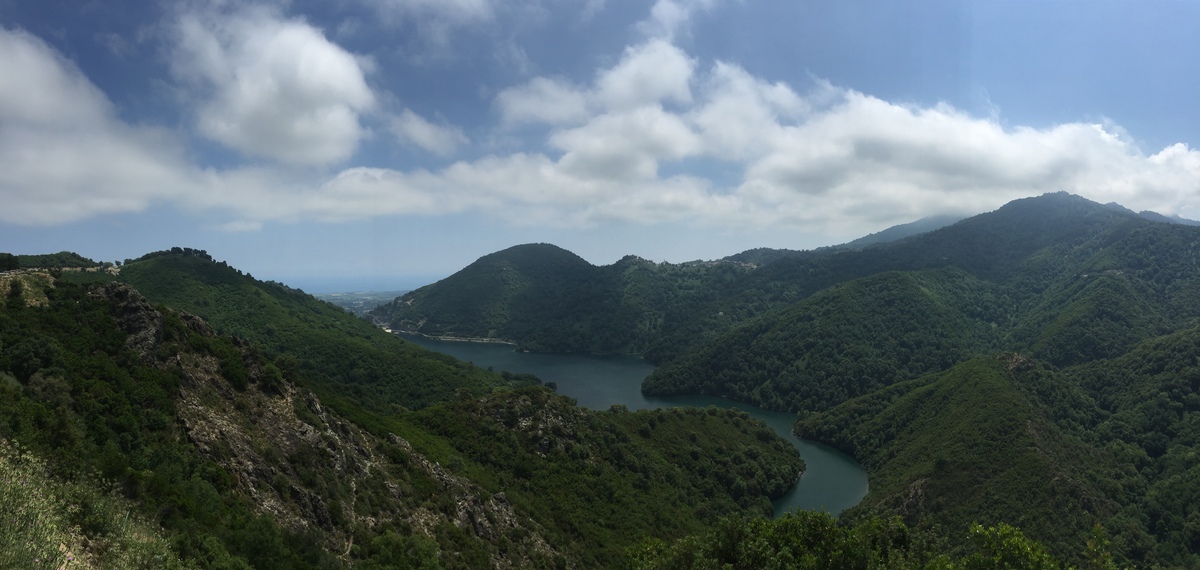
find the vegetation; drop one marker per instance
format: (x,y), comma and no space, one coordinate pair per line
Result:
(51,523)
(216,444)
(344,357)
(1031,367)
(549,299)
(843,342)
(607,479)
(58,260)
(807,540)
(971,445)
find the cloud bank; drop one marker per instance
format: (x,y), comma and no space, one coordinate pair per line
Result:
(657,137)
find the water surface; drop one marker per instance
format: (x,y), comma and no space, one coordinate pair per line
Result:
(832,480)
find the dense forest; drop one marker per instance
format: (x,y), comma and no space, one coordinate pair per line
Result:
(1031,366)
(1021,386)
(155,439)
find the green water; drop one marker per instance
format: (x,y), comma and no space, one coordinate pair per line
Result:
(832,481)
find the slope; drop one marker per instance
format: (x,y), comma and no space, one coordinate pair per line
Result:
(843,342)
(1098,284)
(547,299)
(1150,397)
(974,444)
(338,352)
(244,467)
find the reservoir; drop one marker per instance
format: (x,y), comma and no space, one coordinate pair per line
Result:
(832,480)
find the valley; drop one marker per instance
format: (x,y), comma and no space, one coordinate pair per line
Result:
(832,481)
(1024,379)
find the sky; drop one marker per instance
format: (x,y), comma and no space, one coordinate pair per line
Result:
(384,144)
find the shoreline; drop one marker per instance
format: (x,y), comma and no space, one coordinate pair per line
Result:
(453,338)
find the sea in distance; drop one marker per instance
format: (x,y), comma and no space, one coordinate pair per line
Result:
(832,480)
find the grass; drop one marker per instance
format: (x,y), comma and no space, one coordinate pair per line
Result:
(54,524)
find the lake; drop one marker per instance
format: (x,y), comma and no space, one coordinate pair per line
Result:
(832,480)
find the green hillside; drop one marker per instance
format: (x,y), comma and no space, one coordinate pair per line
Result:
(1082,433)
(339,353)
(545,298)
(1088,283)
(1150,418)
(843,342)
(973,445)
(218,455)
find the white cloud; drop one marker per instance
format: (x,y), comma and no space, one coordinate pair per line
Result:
(634,146)
(433,22)
(542,100)
(411,128)
(743,116)
(591,8)
(273,88)
(648,73)
(625,146)
(823,160)
(63,156)
(41,87)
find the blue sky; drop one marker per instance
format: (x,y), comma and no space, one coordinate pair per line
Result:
(352,144)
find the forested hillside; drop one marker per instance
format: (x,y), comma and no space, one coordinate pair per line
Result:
(343,355)
(170,444)
(1031,366)
(545,298)
(1057,277)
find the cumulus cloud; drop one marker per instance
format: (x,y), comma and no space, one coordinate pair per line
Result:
(648,73)
(63,155)
(542,100)
(640,143)
(273,88)
(824,158)
(412,128)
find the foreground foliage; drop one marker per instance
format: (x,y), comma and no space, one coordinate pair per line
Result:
(807,540)
(51,523)
(235,464)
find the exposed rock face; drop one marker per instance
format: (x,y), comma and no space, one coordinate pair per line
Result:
(299,462)
(140,320)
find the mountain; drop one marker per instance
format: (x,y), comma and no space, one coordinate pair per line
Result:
(1030,366)
(177,445)
(842,342)
(1057,277)
(344,356)
(544,298)
(1157,217)
(901,231)
(972,444)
